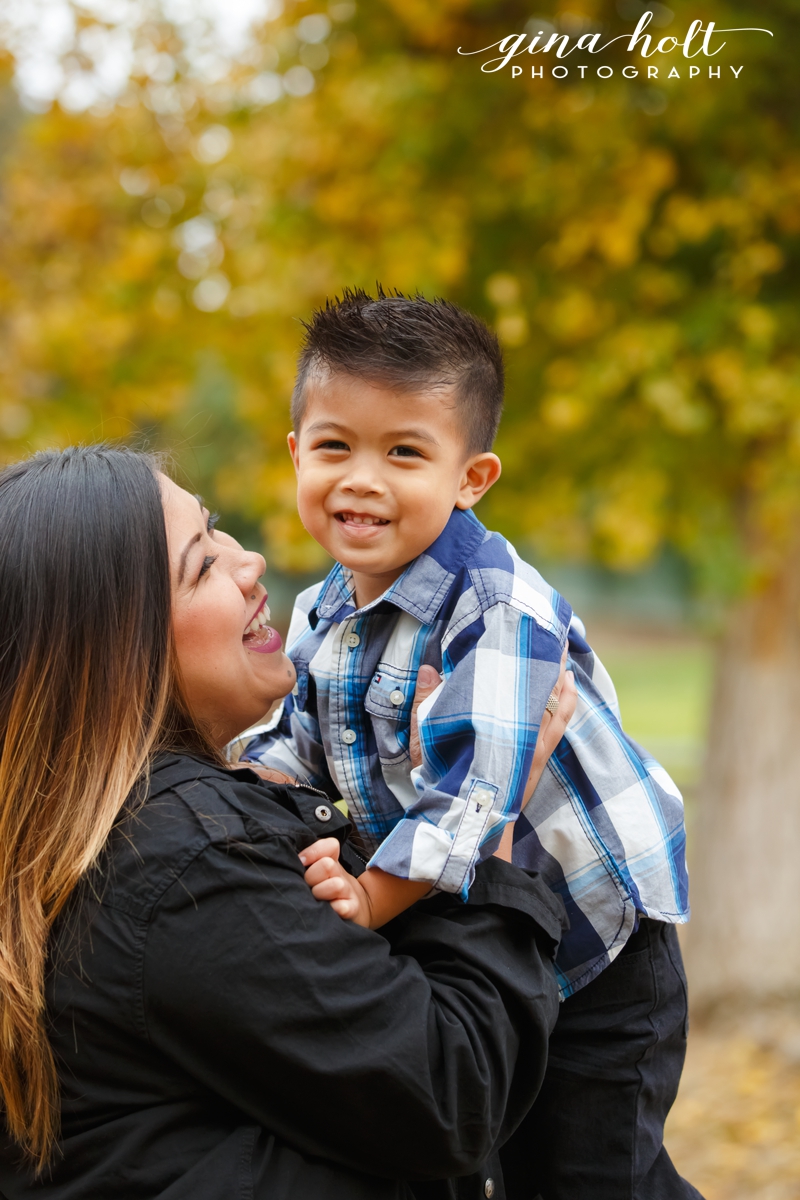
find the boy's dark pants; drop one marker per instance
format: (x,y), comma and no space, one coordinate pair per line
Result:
(615,1060)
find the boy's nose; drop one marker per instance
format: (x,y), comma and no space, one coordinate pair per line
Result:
(362,481)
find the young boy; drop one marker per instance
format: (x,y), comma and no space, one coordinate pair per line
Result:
(395,410)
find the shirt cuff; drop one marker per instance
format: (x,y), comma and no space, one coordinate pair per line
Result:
(424,851)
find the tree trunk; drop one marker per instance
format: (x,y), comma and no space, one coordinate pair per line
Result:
(744,938)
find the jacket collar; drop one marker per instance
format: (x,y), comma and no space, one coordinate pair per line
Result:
(422,587)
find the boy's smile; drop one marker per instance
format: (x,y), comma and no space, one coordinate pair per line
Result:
(379,471)
(359,525)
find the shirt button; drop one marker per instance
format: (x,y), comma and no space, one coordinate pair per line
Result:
(396,696)
(322,812)
(488,1188)
(482,796)
(348,737)
(352,640)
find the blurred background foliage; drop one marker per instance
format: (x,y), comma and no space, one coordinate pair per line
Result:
(634,244)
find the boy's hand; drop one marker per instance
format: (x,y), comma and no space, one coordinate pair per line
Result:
(370,901)
(329,881)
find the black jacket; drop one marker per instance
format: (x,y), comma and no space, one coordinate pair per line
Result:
(220,1034)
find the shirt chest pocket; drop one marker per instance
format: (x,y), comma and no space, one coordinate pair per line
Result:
(388,701)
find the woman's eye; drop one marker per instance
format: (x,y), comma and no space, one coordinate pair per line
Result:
(208,563)
(212,522)
(405,452)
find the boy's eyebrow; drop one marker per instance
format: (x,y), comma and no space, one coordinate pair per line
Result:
(319,426)
(414,435)
(418,435)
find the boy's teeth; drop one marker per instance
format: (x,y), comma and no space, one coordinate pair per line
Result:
(356,520)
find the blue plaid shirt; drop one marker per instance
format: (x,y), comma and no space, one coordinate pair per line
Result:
(605,825)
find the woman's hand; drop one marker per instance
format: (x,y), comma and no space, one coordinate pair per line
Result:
(428,679)
(553,726)
(551,731)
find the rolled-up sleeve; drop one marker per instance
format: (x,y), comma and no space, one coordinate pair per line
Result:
(403,1055)
(478,735)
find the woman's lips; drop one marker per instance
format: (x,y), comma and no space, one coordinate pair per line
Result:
(262,610)
(259,636)
(266,641)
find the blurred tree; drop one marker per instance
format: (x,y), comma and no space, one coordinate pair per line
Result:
(634,242)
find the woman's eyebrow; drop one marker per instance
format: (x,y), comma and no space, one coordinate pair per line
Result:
(186,549)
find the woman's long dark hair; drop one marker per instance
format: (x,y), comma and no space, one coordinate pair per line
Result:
(89,689)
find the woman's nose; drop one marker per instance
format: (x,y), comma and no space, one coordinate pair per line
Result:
(252,567)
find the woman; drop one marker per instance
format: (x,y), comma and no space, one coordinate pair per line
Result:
(180,1018)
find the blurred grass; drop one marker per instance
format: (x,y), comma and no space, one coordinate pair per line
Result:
(663,682)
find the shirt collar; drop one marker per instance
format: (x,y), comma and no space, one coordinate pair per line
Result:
(422,587)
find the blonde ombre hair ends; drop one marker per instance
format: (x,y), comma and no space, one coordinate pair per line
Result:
(88,691)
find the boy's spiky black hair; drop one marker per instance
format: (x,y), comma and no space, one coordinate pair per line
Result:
(409,344)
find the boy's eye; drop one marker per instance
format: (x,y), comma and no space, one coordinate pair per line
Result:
(208,563)
(405,452)
(332,445)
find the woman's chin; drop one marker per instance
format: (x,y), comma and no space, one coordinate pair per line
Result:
(289,673)
(277,671)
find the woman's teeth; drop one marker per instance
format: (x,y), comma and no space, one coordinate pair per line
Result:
(354,519)
(259,620)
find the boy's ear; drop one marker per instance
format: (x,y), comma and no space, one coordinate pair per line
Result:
(293,449)
(480,472)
